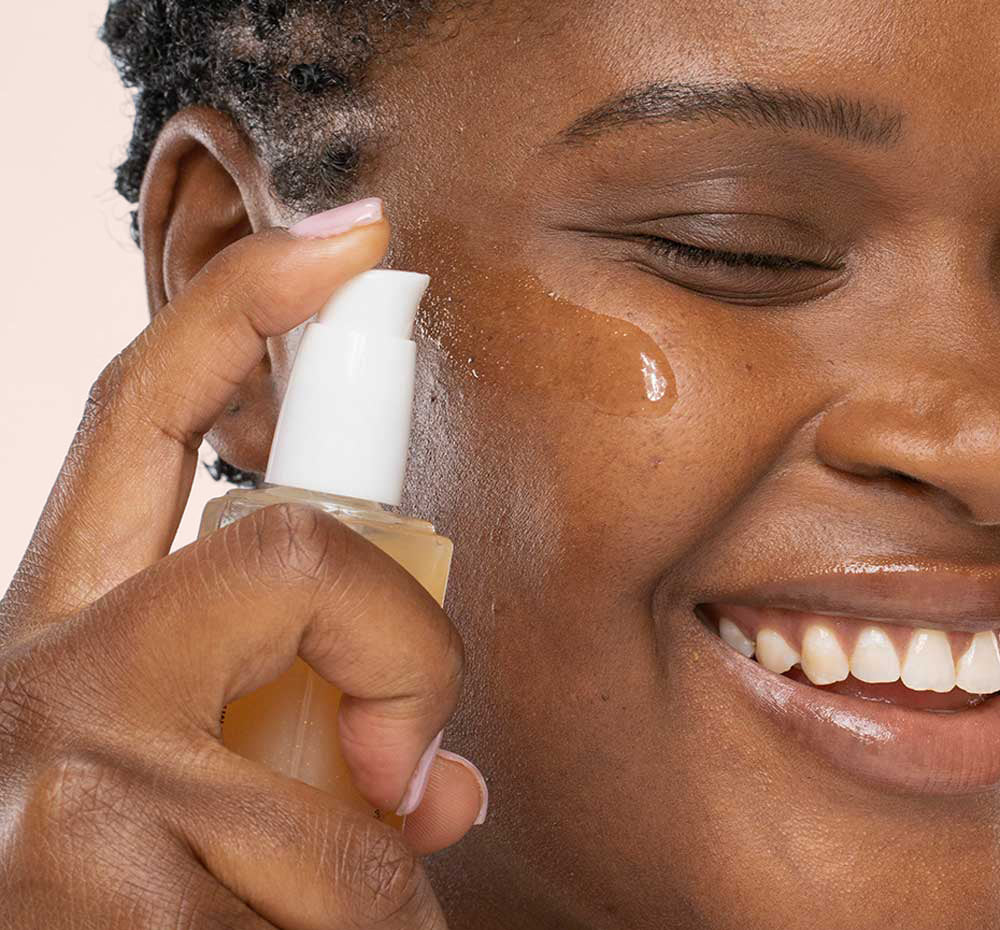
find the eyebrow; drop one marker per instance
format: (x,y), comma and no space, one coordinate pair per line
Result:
(790,109)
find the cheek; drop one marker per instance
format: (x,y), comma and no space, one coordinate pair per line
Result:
(607,504)
(581,447)
(567,516)
(568,512)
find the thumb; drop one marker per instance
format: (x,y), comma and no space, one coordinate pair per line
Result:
(456,798)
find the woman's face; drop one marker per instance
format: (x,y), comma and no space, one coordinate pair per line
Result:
(620,439)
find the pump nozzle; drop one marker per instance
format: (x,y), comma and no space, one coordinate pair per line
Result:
(344,426)
(383,302)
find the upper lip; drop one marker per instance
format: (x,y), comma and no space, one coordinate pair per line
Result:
(910,593)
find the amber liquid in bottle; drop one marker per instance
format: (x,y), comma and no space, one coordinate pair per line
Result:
(290,725)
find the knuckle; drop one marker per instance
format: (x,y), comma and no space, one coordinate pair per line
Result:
(54,689)
(107,382)
(73,797)
(296,542)
(436,681)
(121,387)
(104,389)
(388,885)
(83,835)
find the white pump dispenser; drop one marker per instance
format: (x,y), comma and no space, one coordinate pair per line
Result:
(344,426)
(340,445)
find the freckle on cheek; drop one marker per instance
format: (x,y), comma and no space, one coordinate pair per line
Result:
(538,343)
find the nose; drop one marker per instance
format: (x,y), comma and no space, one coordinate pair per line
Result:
(938,430)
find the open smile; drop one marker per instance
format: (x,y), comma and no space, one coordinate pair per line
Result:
(889,675)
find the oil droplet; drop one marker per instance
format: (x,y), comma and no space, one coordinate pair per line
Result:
(533,340)
(656,384)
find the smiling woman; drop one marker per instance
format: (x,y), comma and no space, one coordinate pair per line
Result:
(707,401)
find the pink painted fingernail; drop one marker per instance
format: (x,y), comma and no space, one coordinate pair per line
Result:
(339,220)
(484,792)
(418,780)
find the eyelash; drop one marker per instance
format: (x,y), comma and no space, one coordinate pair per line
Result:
(697,256)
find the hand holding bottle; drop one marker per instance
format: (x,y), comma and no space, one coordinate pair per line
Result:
(119,802)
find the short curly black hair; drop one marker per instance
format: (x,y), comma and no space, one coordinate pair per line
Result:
(289,72)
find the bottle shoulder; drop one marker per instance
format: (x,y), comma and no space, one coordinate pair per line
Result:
(241,501)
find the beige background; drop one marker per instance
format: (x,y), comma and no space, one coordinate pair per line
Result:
(72,279)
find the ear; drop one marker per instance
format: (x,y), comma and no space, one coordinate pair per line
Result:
(203,189)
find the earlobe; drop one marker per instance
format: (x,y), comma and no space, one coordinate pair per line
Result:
(203,189)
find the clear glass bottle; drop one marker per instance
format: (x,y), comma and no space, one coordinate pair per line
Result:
(340,445)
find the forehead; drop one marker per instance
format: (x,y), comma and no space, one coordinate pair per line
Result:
(468,115)
(520,69)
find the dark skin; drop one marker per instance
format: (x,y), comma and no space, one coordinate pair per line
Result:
(849,406)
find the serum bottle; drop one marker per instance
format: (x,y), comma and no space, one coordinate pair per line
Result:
(340,444)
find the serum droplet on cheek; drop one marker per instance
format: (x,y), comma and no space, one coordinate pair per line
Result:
(535,341)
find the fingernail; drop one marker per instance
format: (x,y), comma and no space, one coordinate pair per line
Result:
(339,220)
(418,780)
(484,792)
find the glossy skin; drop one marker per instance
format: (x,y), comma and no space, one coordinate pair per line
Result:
(627,788)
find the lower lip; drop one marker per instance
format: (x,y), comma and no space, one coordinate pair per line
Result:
(910,751)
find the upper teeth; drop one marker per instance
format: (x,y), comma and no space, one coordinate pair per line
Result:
(874,658)
(774,653)
(978,670)
(733,635)
(928,663)
(823,660)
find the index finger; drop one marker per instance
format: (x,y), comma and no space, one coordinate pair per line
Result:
(121,492)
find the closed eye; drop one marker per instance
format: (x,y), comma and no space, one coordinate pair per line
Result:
(693,255)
